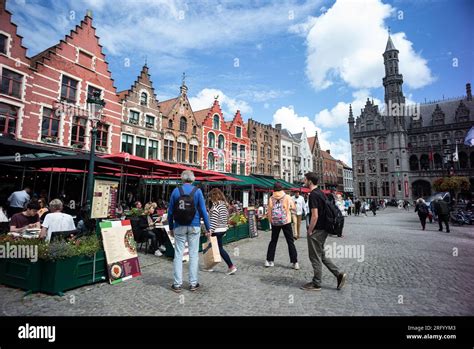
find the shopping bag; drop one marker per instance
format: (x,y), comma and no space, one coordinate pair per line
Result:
(210,250)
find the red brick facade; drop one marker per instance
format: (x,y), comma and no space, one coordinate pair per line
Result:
(226,145)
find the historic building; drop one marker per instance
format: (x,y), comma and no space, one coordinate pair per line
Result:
(265,143)
(290,156)
(330,175)
(348,179)
(65,76)
(306,156)
(181,131)
(225,144)
(398,153)
(317,157)
(141,119)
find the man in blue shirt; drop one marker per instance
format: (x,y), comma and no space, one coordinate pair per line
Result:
(186,208)
(18,200)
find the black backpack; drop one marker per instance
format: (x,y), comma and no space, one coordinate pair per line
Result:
(333,218)
(184,208)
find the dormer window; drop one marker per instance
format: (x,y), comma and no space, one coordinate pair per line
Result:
(144,99)
(238,132)
(216,122)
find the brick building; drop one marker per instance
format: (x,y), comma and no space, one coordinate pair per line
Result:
(317,156)
(225,144)
(330,180)
(265,143)
(141,119)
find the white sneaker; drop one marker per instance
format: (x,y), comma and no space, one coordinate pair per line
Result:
(158,253)
(269,264)
(162,248)
(296,266)
(208,270)
(232,271)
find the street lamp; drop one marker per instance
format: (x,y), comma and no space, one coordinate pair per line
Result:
(95,107)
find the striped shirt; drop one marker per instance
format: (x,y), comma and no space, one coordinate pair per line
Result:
(219,217)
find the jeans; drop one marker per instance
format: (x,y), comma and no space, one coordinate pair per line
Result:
(297,227)
(288,232)
(317,256)
(224,254)
(181,235)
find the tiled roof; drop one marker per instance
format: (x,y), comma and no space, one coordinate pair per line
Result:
(167,106)
(201,115)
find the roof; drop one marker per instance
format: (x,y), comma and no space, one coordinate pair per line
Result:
(327,156)
(201,115)
(298,135)
(447,107)
(167,106)
(311,142)
(390,46)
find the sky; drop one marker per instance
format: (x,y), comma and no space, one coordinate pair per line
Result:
(295,62)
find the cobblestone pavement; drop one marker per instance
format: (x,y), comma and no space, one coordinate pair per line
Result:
(405,271)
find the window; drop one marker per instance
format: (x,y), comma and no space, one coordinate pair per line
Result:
(193,154)
(372,166)
(170,123)
(50,126)
(152,149)
(8,118)
(382,143)
(127,144)
(216,122)
(211,164)
(144,99)
(397,162)
(414,165)
(3,43)
(194,130)
(361,189)
(234,150)
(78,131)
(269,152)
(385,189)
(373,188)
(262,151)
(149,121)
(242,151)
(220,142)
(370,144)
(134,117)
(140,147)
(360,146)
(435,139)
(360,166)
(68,89)
(234,167)
(238,132)
(168,154)
(383,166)
(183,124)
(242,168)
(269,169)
(102,137)
(181,155)
(265,136)
(11,83)
(92,91)
(284,163)
(284,150)
(211,140)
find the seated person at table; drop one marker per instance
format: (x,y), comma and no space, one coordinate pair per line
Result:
(27,219)
(158,236)
(56,220)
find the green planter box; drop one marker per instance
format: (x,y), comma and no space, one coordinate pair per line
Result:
(264,224)
(230,235)
(66,274)
(242,231)
(21,273)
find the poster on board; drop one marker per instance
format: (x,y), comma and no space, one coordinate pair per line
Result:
(120,250)
(104,200)
(245,201)
(253,230)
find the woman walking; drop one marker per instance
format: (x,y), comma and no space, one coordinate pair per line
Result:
(422,210)
(218,219)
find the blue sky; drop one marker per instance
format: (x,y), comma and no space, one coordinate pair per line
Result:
(299,63)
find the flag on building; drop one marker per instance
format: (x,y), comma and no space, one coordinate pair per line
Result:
(456,155)
(469,140)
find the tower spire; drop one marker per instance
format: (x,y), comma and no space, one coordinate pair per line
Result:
(183,88)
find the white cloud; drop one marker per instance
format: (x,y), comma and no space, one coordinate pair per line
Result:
(340,148)
(346,43)
(205,98)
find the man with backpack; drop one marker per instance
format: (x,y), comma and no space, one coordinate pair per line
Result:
(280,206)
(324,220)
(186,208)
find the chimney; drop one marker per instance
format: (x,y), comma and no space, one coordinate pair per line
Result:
(278,126)
(328,151)
(468,92)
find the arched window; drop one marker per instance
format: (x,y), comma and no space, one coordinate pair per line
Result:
(414,165)
(265,136)
(423,141)
(194,129)
(463,160)
(211,140)
(211,164)
(216,122)
(359,146)
(144,98)
(370,144)
(438,161)
(170,123)
(382,143)
(425,162)
(183,124)
(220,142)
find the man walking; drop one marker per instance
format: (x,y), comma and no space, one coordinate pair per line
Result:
(280,206)
(300,211)
(357,207)
(186,208)
(317,237)
(442,210)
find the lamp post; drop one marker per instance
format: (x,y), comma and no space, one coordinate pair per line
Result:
(95,106)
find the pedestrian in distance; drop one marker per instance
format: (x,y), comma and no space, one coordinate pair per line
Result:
(423,211)
(441,208)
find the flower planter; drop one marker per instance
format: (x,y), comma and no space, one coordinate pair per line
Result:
(230,235)
(21,273)
(264,224)
(242,231)
(65,274)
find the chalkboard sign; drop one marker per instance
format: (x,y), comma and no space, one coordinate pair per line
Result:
(252,222)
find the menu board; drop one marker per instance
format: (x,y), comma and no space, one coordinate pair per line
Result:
(120,250)
(252,222)
(104,200)
(245,201)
